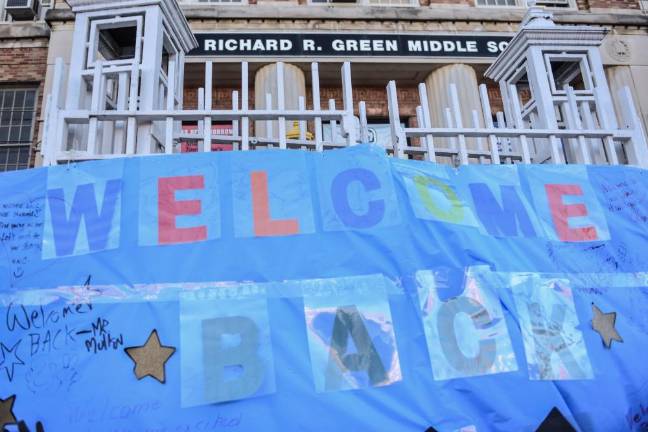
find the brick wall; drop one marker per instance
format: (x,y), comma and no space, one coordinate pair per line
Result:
(375,98)
(25,67)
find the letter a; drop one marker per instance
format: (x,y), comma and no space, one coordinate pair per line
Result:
(348,322)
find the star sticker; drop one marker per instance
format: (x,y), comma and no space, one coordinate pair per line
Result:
(603,324)
(150,358)
(6,411)
(18,361)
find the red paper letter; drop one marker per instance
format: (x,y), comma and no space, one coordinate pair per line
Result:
(169,209)
(560,213)
(264,226)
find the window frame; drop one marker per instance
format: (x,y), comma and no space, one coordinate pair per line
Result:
(582,60)
(215,2)
(97,25)
(21,144)
(411,3)
(521,4)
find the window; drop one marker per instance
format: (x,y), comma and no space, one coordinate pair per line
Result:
(390,2)
(17,112)
(555,3)
(369,2)
(569,70)
(497,2)
(522,3)
(117,40)
(38,9)
(333,1)
(216,1)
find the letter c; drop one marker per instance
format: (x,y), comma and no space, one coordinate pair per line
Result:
(340,197)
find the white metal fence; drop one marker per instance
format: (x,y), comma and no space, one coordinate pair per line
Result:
(110,127)
(582,139)
(66,131)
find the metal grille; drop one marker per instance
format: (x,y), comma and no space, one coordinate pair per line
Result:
(19,3)
(17,112)
(215,1)
(497,2)
(555,3)
(546,3)
(391,2)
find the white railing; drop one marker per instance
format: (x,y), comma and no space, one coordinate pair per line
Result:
(166,124)
(582,137)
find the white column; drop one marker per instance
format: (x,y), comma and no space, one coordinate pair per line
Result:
(618,78)
(438,84)
(149,92)
(265,82)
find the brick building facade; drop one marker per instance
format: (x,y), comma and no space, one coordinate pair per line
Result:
(28,50)
(23,65)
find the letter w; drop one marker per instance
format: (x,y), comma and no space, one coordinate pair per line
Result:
(98,223)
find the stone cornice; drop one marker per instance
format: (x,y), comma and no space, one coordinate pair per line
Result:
(24,30)
(369,13)
(170,8)
(581,36)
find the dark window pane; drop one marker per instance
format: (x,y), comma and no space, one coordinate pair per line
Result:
(4,134)
(25,135)
(14,134)
(12,157)
(19,100)
(30,99)
(8,100)
(27,118)
(24,156)
(5,118)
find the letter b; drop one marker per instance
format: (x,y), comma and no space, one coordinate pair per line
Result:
(232,371)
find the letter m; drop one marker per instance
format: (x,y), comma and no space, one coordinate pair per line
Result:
(99,221)
(510,219)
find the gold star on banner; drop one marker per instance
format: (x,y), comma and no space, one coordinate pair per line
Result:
(150,358)
(6,411)
(603,324)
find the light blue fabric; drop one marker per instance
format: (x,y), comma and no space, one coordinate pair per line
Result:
(66,315)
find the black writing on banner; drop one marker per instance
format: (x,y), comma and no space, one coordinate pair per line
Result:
(21,226)
(336,44)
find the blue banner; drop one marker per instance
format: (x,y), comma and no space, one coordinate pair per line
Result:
(289,290)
